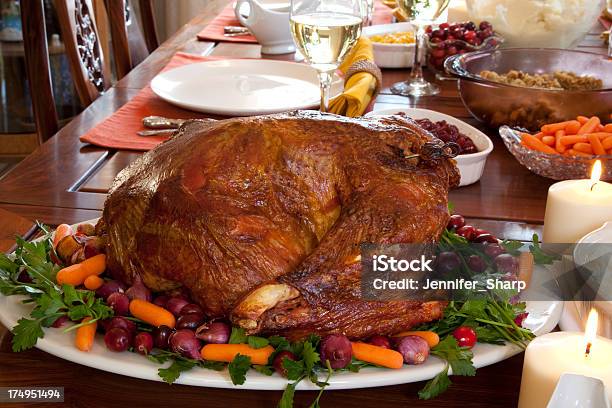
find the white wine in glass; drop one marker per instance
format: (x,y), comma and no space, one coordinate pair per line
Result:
(420,14)
(325,32)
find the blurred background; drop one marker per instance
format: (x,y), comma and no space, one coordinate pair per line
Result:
(17,128)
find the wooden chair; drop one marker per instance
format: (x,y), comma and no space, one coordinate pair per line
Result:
(82,46)
(132,40)
(83,50)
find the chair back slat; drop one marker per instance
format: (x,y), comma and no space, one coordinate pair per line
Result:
(80,36)
(37,69)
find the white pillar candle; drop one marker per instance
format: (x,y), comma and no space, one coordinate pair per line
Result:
(549,356)
(576,207)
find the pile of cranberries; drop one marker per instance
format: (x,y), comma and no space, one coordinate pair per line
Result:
(448,133)
(458,38)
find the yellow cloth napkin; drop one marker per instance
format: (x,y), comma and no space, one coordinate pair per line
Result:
(360,87)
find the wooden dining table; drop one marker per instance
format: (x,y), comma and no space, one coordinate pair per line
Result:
(66,181)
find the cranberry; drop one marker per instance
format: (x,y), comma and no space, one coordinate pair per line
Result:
(452,50)
(469,35)
(466,336)
(456,221)
(438,34)
(484,25)
(444,26)
(467,231)
(470,26)
(438,53)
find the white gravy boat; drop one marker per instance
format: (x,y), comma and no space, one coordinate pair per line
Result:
(268,21)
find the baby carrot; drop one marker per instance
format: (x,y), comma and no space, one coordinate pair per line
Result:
(377,355)
(85,335)
(548,140)
(583,147)
(551,128)
(560,147)
(569,140)
(607,142)
(539,135)
(600,135)
(599,128)
(573,152)
(582,119)
(76,274)
(589,126)
(62,230)
(572,127)
(151,313)
(227,352)
(536,144)
(93,282)
(608,128)
(430,337)
(596,144)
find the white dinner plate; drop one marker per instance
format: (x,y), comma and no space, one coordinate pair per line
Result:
(471,166)
(242,87)
(543,317)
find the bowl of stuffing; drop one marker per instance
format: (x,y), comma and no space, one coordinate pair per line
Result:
(529,87)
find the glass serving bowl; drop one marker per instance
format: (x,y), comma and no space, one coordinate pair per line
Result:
(498,104)
(553,166)
(437,52)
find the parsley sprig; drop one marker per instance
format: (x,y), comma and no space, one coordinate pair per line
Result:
(50,300)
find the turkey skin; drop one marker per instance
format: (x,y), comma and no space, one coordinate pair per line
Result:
(261,219)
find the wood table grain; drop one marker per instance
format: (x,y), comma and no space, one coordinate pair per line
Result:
(66,181)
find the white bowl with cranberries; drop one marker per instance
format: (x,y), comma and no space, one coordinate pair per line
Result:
(475,145)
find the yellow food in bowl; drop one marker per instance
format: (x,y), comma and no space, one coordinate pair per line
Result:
(402,37)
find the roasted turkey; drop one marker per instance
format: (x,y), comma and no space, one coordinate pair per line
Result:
(261,218)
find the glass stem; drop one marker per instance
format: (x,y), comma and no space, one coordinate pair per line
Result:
(325,81)
(416,73)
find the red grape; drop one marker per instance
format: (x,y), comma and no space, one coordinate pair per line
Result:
(467,231)
(189,321)
(121,322)
(506,263)
(175,305)
(456,221)
(117,339)
(186,344)
(215,332)
(161,336)
(161,300)
(120,303)
(380,341)
(277,363)
(108,288)
(191,308)
(466,336)
(485,238)
(476,263)
(447,262)
(143,343)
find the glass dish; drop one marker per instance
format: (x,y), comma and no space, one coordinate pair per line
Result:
(436,62)
(553,166)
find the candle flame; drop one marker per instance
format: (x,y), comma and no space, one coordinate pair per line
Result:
(591,330)
(596,171)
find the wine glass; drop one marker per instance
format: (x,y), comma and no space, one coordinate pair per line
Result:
(420,14)
(325,31)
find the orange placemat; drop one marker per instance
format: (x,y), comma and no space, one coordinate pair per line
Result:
(119,130)
(214,30)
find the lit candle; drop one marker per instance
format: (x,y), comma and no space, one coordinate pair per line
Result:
(549,356)
(576,207)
